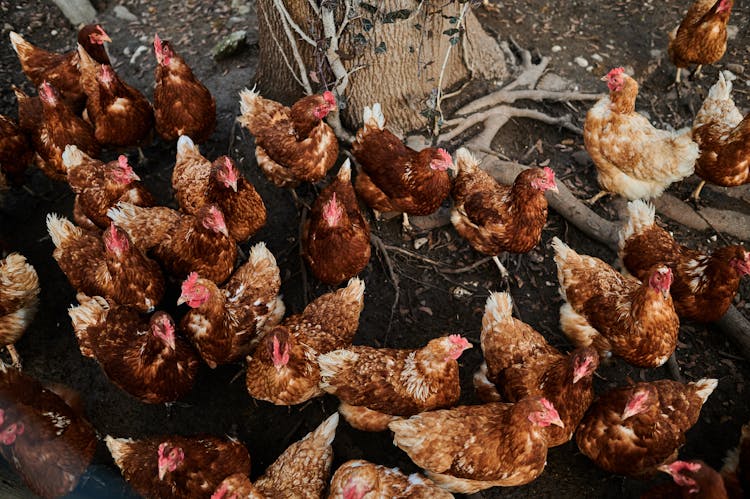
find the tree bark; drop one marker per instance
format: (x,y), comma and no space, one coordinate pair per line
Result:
(395,51)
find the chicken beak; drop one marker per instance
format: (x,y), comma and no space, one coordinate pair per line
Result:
(162,472)
(665,293)
(558,422)
(234,186)
(604,78)
(554,189)
(182,299)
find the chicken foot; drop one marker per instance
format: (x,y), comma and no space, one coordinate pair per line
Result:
(696,195)
(503,271)
(15,358)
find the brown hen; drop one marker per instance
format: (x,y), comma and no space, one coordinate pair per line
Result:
(15,150)
(724,138)
(616,314)
(634,429)
(376,384)
(224,324)
(182,243)
(519,363)
(395,177)
(292,145)
(336,237)
(120,114)
(692,480)
(178,467)
(19,299)
(108,265)
(701,37)
(47,442)
(704,285)
(359,479)
(182,104)
(283,369)
(99,186)
(471,448)
(145,358)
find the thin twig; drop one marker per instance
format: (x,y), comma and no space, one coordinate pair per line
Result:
(394,280)
(468,268)
(282,51)
(439,98)
(287,18)
(285,21)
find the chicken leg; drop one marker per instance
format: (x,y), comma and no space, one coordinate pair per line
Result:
(697,72)
(596,198)
(503,271)
(696,195)
(677,77)
(15,358)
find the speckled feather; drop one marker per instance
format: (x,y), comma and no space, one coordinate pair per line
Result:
(244,211)
(19,297)
(190,176)
(701,37)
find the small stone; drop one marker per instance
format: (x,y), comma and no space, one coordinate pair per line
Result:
(419,242)
(556,48)
(230,45)
(732,31)
(656,53)
(581,61)
(242,8)
(552,83)
(8,27)
(141,49)
(737,69)
(53,32)
(122,12)
(582,158)
(126,51)
(459,292)
(597,57)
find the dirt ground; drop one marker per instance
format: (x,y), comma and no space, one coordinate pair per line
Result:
(605,34)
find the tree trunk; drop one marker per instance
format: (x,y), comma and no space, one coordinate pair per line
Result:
(394,50)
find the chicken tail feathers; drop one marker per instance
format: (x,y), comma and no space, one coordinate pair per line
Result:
(498,308)
(345,172)
(705,387)
(91,312)
(373,117)
(20,45)
(354,291)
(119,448)
(185,146)
(722,89)
(327,429)
(250,104)
(61,229)
(465,160)
(485,389)
(72,156)
(640,217)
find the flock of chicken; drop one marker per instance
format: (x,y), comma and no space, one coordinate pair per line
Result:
(121,247)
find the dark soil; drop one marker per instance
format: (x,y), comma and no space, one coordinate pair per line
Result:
(432,302)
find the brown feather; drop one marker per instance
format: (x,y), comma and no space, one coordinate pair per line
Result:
(359,475)
(701,37)
(15,150)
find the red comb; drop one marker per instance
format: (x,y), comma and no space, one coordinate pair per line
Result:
(615,72)
(329,98)
(157,43)
(547,404)
(123,161)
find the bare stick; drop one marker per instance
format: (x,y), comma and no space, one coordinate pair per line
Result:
(439,98)
(394,280)
(289,23)
(286,19)
(505,96)
(282,51)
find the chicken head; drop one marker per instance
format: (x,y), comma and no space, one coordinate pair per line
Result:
(99,36)
(170,458)
(115,240)
(742,264)
(123,172)
(329,104)
(10,432)
(456,346)
(162,326)
(680,472)
(192,292)
(226,172)
(162,50)
(546,181)
(661,279)
(637,403)
(441,160)
(332,211)
(547,415)
(615,79)
(355,489)
(213,219)
(279,347)
(48,94)
(585,362)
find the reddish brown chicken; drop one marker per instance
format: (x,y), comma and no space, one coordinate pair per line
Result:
(692,480)
(99,186)
(302,470)
(223,324)
(359,479)
(495,218)
(704,285)
(178,467)
(190,176)
(736,469)
(283,369)
(59,127)
(237,198)
(62,70)
(182,243)
(616,314)
(633,429)
(108,265)
(19,299)
(121,115)
(376,384)
(335,237)
(471,448)
(701,37)
(182,104)
(292,145)
(30,111)
(47,442)
(724,138)
(15,150)
(519,363)
(145,358)
(395,177)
